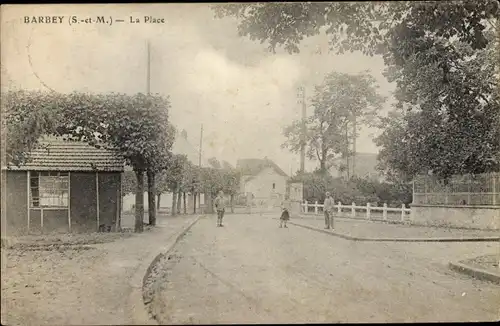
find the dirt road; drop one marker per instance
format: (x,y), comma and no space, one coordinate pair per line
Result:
(251,271)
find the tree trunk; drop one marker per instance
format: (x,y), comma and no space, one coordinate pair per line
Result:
(184,200)
(158,202)
(179,201)
(209,204)
(194,202)
(139,201)
(151,198)
(232,203)
(322,166)
(174,203)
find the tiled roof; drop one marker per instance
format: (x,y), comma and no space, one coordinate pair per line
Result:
(61,155)
(254,166)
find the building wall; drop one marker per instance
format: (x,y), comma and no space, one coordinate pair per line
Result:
(16,200)
(262,184)
(458,216)
(109,198)
(83,202)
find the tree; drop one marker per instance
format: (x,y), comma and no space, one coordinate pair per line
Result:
(430,50)
(451,120)
(25,117)
(174,175)
(231,183)
(137,126)
(340,101)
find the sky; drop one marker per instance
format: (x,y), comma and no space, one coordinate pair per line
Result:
(242,94)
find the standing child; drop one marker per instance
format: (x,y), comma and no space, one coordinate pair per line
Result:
(220,207)
(285,215)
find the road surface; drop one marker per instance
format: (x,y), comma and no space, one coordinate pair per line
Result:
(251,271)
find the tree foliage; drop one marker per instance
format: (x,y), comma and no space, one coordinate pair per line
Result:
(339,103)
(135,125)
(440,55)
(25,117)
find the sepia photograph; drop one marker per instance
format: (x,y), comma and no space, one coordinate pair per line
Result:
(250,163)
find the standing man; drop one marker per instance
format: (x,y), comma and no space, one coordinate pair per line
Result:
(328,208)
(219,207)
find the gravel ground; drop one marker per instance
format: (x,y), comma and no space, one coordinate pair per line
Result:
(251,271)
(84,282)
(370,229)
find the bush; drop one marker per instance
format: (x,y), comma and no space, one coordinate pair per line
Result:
(358,190)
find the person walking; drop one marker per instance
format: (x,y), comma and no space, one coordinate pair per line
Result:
(220,207)
(285,214)
(328,208)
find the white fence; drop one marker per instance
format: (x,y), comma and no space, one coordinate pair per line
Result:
(352,210)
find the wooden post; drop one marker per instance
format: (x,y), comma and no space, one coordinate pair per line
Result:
(368,211)
(494,190)
(413,190)
(41,219)
(118,206)
(29,198)
(403,212)
(69,202)
(306,207)
(384,212)
(97,196)
(353,210)
(339,209)
(469,190)
(316,207)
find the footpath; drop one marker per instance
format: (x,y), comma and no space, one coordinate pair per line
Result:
(86,284)
(482,267)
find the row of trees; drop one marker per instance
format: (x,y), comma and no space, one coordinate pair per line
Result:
(182,178)
(137,126)
(442,56)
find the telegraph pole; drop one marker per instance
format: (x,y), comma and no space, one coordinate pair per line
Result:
(201,146)
(148,81)
(301,98)
(354,136)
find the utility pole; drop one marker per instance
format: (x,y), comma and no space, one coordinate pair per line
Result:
(148,82)
(354,136)
(201,146)
(301,95)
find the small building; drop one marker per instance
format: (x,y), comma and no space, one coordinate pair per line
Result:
(264,179)
(65,186)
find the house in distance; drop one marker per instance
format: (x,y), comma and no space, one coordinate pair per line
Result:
(262,178)
(64,186)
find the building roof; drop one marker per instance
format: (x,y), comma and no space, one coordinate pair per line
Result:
(56,154)
(253,166)
(366,165)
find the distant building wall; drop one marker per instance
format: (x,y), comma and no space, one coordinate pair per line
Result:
(261,185)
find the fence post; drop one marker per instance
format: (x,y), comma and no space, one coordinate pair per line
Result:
(306,207)
(494,190)
(353,209)
(316,207)
(384,212)
(368,210)
(403,212)
(339,209)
